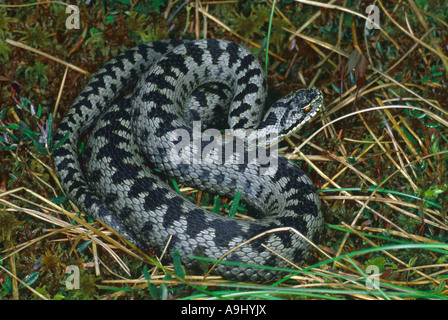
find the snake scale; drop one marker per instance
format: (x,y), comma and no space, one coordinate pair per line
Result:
(128,112)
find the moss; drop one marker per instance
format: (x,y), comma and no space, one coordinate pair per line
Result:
(8,225)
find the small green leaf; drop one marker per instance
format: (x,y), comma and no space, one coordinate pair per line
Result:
(30,279)
(423,166)
(379,47)
(153,291)
(442,259)
(110,18)
(31,134)
(36,143)
(39,111)
(176,187)
(152,288)
(13,126)
(202,264)
(431,125)
(418,115)
(8,148)
(235,203)
(50,129)
(84,246)
(336,88)
(60,143)
(59,200)
(178,269)
(7,286)
(3,112)
(146,273)
(216,205)
(81,147)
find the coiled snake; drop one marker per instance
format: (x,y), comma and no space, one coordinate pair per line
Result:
(175,83)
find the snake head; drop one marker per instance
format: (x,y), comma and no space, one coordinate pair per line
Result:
(290,113)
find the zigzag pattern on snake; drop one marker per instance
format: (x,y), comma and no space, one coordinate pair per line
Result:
(174,83)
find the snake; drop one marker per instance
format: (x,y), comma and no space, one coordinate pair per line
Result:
(126,117)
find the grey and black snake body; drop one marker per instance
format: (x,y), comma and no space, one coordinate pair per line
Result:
(175,83)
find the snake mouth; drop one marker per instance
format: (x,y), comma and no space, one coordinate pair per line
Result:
(293,128)
(304,105)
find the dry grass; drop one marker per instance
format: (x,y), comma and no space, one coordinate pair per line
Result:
(377,153)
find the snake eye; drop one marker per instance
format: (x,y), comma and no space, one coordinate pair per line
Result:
(307,109)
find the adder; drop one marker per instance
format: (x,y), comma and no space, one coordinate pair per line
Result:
(129,111)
